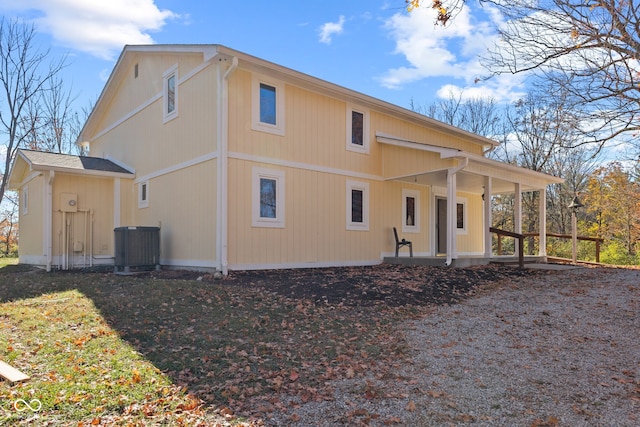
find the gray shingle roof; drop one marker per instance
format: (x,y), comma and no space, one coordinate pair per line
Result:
(39,159)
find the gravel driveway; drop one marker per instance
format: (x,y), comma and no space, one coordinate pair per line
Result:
(557,349)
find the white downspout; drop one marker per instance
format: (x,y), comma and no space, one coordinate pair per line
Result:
(48,220)
(222,224)
(451,208)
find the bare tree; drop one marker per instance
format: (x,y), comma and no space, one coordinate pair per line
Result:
(589,49)
(25,75)
(477,115)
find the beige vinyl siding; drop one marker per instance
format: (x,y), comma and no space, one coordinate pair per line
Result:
(315,131)
(151,145)
(315,221)
(412,132)
(92,194)
(183,204)
(400,162)
(472,242)
(31,224)
(131,92)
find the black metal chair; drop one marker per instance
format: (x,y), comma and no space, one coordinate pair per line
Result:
(401,243)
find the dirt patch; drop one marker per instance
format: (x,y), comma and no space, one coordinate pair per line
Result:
(392,285)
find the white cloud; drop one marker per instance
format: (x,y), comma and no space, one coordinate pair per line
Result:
(328,30)
(100,28)
(451,52)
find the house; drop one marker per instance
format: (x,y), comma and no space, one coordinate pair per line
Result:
(246,164)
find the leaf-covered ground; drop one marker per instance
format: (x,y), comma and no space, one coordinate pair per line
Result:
(179,348)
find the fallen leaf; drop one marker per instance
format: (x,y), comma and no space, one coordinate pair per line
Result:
(411,406)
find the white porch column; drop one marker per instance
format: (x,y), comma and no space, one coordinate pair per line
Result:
(488,220)
(48,218)
(517,220)
(452,229)
(543,222)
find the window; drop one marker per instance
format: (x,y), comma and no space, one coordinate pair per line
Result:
(267,105)
(357,130)
(460,216)
(170,94)
(135,71)
(25,200)
(268,198)
(410,211)
(357,205)
(143,194)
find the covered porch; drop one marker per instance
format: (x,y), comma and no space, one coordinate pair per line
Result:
(457,172)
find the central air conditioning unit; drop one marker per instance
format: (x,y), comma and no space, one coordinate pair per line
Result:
(136,247)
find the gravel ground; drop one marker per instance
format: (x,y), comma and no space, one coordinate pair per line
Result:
(559,349)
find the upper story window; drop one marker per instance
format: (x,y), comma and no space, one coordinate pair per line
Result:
(268,198)
(143,194)
(357,205)
(357,130)
(267,105)
(170,93)
(410,211)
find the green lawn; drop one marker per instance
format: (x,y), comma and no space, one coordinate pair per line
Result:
(139,350)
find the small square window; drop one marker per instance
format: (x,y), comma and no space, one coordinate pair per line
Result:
(143,194)
(268,198)
(267,99)
(357,206)
(357,130)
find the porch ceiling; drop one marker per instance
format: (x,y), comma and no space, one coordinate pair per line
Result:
(466,182)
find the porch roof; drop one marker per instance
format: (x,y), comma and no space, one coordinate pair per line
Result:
(471,178)
(33,161)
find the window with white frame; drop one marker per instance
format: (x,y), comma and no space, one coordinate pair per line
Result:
(25,200)
(461,217)
(357,130)
(267,105)
(143,194)
(357,202)
(267,198)
(410,211)
(170,93)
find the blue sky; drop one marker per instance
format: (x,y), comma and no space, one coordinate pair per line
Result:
(372,46)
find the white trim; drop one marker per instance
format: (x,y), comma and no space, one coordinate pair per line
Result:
(177,167)
(365,130)
(256,219)
(291,265)
(364,187)
(29,179)
(143,194)
(256,124)
(193,263)
(168,74)
(303,166)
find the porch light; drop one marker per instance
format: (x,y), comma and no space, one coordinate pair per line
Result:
(575,204)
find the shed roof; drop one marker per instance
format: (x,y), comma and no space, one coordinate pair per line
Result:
(42,161)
